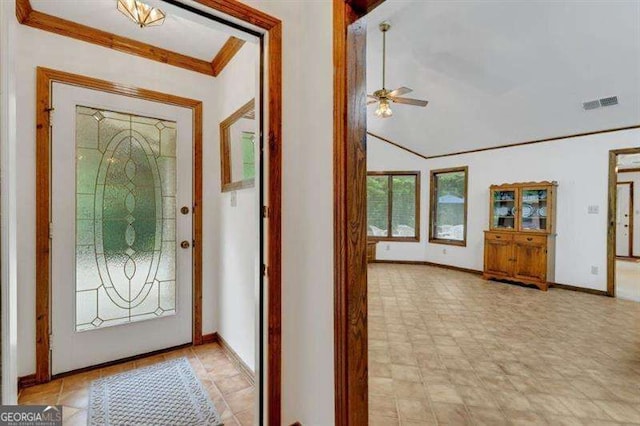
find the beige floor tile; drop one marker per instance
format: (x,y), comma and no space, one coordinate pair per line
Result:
(73,391)
(486,341)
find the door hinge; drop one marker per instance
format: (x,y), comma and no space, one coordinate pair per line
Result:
(50,111)
(51,230)
(193,243)
(265,212)
(51,342)
(265,270)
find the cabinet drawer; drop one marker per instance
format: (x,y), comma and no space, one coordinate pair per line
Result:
(499,236)
(531,239)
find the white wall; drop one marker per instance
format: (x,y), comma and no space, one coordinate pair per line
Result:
(233,230)
(38,48)
(307,217)
(580,165)
(635,178)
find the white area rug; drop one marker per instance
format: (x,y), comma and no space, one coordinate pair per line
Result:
(168,393)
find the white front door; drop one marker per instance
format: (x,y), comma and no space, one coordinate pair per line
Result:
(121,282)
(623,219)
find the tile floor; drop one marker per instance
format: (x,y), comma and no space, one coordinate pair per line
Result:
(446,347)
(231,392)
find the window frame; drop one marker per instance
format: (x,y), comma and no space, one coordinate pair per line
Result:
(433,206)
(390,175)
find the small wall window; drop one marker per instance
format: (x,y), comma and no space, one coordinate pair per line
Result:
(393,206)
(237,149)
(448,210)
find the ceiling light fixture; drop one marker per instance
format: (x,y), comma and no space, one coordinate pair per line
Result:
(141,13)
(384,97)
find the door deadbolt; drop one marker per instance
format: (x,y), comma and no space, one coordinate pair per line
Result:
(185,244)
(184,210)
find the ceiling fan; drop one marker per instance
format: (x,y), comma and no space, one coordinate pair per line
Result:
(383,96)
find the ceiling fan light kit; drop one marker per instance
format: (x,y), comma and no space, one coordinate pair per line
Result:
(141,13)
(383,97)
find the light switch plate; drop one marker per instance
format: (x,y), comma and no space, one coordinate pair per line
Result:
(593,209)
(234,199)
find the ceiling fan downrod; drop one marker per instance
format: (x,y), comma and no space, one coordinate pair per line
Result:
(384,27)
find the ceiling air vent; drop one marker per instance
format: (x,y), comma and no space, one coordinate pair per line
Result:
(591,105)
(604,102)
(612,100)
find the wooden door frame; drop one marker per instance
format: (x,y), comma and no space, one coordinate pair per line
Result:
(350,221)
(45,78)
(631,210)
(272,29)
(612,205)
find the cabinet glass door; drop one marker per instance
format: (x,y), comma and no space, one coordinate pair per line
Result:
(504,210)
(534,204)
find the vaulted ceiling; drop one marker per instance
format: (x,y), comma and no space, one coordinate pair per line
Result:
(502,72)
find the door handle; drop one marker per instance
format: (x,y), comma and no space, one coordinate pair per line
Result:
(185,244)
(529,239)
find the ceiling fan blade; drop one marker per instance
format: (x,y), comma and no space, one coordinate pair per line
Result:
(373,97)
(400,91)
(372,102)
(409,101)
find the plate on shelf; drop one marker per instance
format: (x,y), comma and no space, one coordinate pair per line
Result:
(542,212)
(513,211)
(527,210)
(502,211)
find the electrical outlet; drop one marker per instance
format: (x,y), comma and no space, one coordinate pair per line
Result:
(234,199)
(593,209)
(387,247)
(594,270)
(444,251)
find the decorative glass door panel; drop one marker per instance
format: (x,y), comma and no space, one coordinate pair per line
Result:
(534,209)
(125,223)
(121,285)
(504,209)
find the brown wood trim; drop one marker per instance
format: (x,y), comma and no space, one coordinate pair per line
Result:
(226,54)
(611,216)
(33,18)
(209,338)
(27,381)
(350,219)
(477,272)
(243,12)
(390,175)
(274,222)
(197,223)
(397,145)
(235,359)
(634,170)
(23,10)
(509,145)
(433,204)
(579,289)
(364,6)
(426,263)
(631,215)
(45,78)
(225,149)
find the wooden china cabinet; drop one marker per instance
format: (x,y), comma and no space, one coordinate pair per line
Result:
(520,243)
